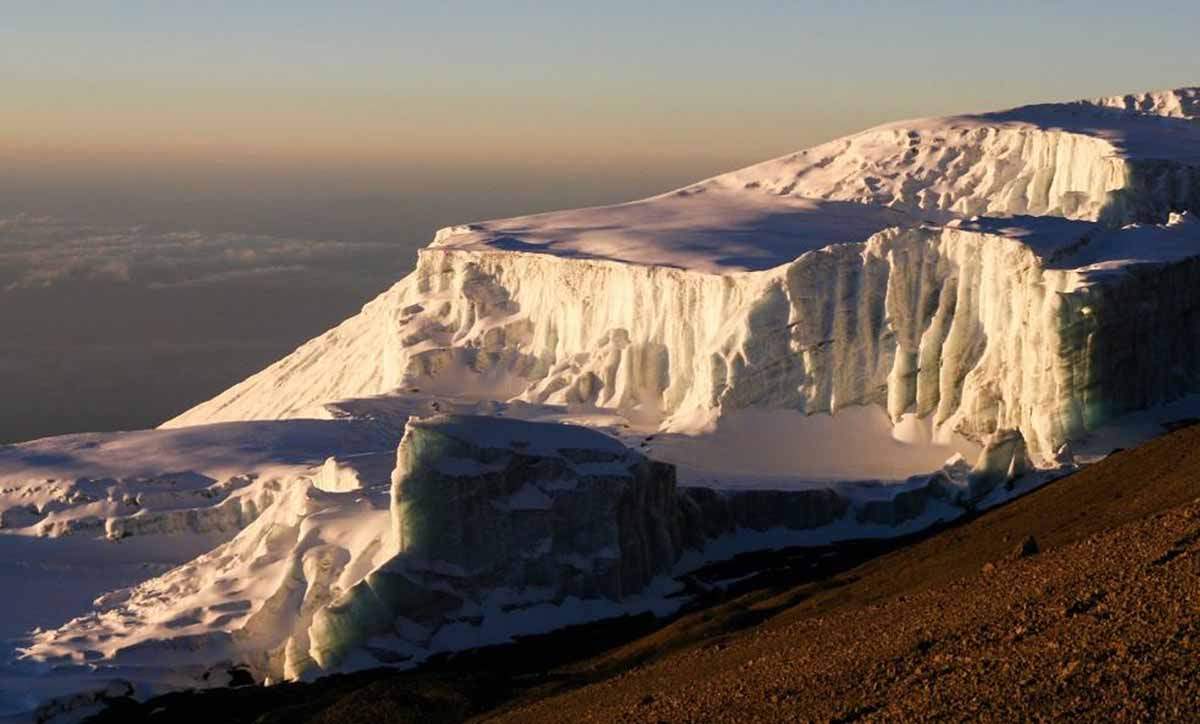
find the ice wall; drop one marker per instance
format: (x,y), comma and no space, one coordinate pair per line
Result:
(963,326)
(998,165)
(639,308)
(498,524)
(1131,340)
(1174,103)
(491,516)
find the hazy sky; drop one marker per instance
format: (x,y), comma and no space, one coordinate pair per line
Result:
(189,190)
(543,83)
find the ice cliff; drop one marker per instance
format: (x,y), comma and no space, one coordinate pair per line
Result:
(946,268)
(975,325)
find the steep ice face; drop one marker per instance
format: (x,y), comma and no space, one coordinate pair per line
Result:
(1177,103)
(1075,161)
(464,315)
(964,167)
(491,517)
(975,326)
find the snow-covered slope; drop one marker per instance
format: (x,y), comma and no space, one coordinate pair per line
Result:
(1177,103)
(84,515)
(213,478)
(1078,161)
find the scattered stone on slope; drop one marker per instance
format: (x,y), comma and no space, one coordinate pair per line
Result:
(1028,547)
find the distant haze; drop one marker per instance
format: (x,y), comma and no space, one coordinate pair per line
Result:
(546,85)
(190,190)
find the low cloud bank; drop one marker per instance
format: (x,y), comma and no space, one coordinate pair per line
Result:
(42,252)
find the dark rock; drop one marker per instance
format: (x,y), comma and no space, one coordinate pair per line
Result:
(1029,547)
(240,676)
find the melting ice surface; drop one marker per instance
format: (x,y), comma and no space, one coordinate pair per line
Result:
(858,339)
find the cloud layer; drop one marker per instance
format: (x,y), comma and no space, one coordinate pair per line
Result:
(42,252)
(117,327)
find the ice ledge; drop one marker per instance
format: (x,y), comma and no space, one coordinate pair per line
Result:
(761,240)
(1172,103)
(712,231)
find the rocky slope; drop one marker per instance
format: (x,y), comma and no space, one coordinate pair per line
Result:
(1098,621)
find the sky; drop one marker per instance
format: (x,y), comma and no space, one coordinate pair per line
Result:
(457,83)
(188,190)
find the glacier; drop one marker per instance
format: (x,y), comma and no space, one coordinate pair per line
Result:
(963,270)
(863,338)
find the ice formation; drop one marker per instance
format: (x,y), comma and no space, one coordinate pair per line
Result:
(862,338)
(489,527)
(976,271)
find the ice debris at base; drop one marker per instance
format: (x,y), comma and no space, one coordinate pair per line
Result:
(860,339)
